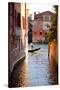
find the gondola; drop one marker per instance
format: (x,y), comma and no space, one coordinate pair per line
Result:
(33,50)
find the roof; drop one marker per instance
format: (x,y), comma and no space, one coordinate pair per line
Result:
(46,12)
(40,15)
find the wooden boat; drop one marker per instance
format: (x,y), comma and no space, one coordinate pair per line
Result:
(32,50)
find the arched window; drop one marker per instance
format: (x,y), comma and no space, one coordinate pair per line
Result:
(18,20)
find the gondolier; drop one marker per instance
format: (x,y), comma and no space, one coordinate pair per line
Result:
(31,45)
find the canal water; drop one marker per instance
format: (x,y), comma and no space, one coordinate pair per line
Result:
(35,70)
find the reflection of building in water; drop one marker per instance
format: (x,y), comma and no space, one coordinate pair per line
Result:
(20,76)
(18,29)
(41,26)
(53,58)
(53,68)
(24,78)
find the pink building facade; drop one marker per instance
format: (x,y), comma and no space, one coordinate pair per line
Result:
(41,26)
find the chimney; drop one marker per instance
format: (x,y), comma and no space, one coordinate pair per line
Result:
(34,15)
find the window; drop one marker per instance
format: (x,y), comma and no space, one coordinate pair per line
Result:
(47,25)
(11,8)
(45,33)
(35,33)
(18,20)
(47,18)
(41,18)
(40,33)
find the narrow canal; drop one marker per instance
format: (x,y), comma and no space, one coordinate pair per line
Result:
(34,70)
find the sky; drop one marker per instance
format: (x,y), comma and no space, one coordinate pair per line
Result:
(39,8)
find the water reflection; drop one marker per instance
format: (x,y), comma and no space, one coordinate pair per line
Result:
(53,69)
(20,75)
(35,70)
